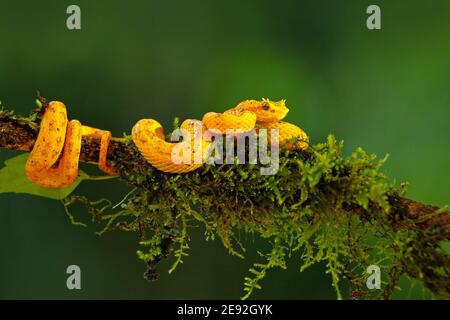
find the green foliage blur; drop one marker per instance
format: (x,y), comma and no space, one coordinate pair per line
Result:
(384,90)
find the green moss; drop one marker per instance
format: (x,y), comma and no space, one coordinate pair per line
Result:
(321,207)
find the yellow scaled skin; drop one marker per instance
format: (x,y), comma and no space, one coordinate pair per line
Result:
(233,121)
(53,162)
(289,135)
(148,134)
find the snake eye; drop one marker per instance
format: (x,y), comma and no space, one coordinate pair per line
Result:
(265,107)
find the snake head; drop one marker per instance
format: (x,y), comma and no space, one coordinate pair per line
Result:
(265,110)
(278,106)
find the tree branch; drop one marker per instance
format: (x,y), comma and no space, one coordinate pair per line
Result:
(19,133)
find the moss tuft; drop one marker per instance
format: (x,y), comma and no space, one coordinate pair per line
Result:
(321,207)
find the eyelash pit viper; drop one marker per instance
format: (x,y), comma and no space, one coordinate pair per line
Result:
(53,161)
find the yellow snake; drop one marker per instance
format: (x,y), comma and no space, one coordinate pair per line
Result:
(53,161)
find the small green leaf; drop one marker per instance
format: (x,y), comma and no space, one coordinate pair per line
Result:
(13,179)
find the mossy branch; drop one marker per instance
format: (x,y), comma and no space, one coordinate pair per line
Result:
(19,133)
(328,207)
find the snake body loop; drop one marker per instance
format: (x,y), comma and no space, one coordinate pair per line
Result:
(148,136)
(53,161)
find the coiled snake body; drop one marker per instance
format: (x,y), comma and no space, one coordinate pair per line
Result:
(53,161)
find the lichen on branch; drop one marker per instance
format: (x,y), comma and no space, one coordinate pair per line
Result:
(321,207)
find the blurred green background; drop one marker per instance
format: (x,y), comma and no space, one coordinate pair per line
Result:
(387,91)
